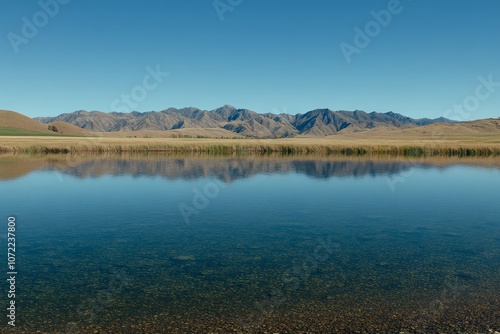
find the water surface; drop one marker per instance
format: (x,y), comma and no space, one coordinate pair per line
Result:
(159,244)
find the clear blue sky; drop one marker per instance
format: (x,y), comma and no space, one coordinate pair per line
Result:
(268,56)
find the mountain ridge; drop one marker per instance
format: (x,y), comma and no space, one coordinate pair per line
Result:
(244,122)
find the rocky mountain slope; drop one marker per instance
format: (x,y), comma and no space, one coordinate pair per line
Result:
(319,122)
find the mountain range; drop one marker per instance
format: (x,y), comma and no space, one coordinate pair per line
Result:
(243,122)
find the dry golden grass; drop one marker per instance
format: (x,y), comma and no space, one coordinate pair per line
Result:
(367,143)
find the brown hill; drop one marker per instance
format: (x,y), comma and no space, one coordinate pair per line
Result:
(11,119)
(14,120)
(480,132)
(490,125)
(485,127)
(68,129)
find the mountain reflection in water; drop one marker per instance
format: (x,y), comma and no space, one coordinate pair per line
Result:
(226,169)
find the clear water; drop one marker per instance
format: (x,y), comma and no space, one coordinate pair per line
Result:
(254,245)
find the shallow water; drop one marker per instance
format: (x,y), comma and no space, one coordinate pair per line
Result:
(253,245)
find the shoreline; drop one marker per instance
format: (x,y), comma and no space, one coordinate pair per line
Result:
(341,146)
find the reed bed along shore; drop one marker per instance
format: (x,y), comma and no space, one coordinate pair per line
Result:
(295,146)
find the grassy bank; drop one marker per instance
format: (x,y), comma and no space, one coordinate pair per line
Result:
(293,146)
(14,132)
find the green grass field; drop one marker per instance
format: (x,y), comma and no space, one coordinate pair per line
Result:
(19,132)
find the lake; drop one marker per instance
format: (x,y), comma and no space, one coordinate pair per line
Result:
(253,244)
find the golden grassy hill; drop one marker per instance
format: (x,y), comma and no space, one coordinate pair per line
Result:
(481,131)
(483,126)
(69,129)
(11,119)
(13,123)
